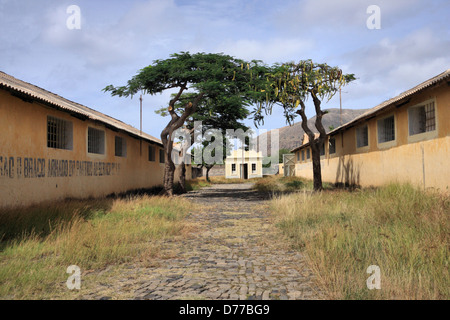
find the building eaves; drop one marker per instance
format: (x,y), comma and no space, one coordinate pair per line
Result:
(35,93)
(393,101)
(386,104)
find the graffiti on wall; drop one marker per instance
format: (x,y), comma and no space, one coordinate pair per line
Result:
(23,167)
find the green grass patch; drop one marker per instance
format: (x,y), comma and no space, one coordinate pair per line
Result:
(403,230)
(197,184)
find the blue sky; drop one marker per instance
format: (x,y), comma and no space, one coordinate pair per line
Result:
(118,38)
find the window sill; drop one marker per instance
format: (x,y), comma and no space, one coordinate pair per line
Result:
(387,145)
(422,136)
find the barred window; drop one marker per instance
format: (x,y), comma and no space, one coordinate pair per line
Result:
(151,153)
(332,146)
(253,167)
(303,155)
(308,155)
(386,129)
(298,156)
(362,136)
(96,141)
(233,167)
(120,147)
(422,119)
(59,133)
(162,157)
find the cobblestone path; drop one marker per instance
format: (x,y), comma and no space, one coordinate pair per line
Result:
(235,253)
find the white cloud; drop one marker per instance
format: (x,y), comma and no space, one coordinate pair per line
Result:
(392,66)
(338,16)
(268,50)
(119,38)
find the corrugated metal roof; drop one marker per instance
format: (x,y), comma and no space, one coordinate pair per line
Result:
(9,82)
(388,103)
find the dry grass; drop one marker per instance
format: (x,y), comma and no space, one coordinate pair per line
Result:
(41,242)
(201,182)
(281,184)
(405,231)
(223,180)
(277,184)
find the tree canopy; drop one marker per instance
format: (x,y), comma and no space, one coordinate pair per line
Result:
(204,75)
(290,85)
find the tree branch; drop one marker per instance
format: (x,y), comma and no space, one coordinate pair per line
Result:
(305,127)
(319,115)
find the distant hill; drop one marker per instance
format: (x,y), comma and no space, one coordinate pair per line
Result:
(291,136)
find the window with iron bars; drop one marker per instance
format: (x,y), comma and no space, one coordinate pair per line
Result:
(96,141)
(362,136)
(120,147)
(162,157)
(422,119)
(332,146)
(151,153)
(59,133)
(386,129)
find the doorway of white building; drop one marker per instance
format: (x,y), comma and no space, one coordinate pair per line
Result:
(244,171)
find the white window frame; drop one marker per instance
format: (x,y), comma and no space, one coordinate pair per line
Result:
(426,134)
(390,143)
(357,131)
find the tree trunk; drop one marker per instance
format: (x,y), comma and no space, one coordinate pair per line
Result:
(182,182)
(183,152)
(169,172)
(317,171)
(314,143)
(166,137)
(207,174)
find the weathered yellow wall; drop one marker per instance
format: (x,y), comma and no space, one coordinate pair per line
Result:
(420,159)
(401,164)
(281,169)
(26,174)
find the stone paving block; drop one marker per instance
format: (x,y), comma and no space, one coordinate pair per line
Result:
(235,252)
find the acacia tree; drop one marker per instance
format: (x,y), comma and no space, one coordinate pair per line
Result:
(204,75)
(290,85)
(219,112)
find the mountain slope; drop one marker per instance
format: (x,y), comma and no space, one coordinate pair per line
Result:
(291,136)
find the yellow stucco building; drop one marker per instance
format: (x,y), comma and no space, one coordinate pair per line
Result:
(244,164)
(404,139)
(52,148)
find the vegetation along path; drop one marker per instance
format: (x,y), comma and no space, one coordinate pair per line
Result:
(235,253)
